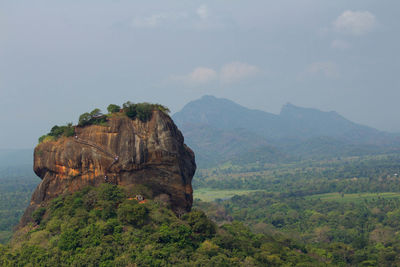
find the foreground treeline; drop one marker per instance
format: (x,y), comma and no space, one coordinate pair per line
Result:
(364,232)
(104,226)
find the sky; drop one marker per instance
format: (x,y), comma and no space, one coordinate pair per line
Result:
(59,59)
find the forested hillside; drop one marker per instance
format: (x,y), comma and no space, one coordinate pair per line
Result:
(104,226)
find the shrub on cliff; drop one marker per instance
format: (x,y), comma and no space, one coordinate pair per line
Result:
(142,111)
(57,132)
(84,119)
(130,109)
(94,117)
(112,108)
(46,138)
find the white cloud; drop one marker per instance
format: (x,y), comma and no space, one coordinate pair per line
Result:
(237,71)
(327,69)
(199,75)
(202,75)
(355,22)
(199,19)
(161,20)
(340,44)
(148,22)
(202,11)
(229,73)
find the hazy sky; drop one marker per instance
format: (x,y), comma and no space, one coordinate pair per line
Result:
(59,59)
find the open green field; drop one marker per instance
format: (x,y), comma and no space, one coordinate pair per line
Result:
(206,194)
(357,197)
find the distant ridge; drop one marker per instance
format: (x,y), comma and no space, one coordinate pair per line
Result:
(292,122)
(296,131)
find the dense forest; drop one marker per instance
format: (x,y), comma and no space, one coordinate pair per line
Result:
(104,227)
(339,209)
(360,233)
(337,212)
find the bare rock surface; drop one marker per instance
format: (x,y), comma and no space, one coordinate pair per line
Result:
(125,152)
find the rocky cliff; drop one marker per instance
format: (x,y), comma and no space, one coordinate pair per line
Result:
(122,152)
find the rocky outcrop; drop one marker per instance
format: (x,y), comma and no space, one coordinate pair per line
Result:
(124,152)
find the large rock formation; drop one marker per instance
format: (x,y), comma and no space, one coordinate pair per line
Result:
(125,152)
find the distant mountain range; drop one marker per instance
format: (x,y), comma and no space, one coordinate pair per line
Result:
(220,130)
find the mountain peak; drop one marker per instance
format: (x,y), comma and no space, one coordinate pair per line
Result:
(292,122)
(208,97)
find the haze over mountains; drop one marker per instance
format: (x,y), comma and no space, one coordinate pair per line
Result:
(219,130)
(16,163)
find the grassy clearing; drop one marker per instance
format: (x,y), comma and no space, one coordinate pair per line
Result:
(206,194)
(357,197)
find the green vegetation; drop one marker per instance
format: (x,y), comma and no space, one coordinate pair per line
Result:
(355,198)
(142,111)
(16,187)
(94,117)
(57,132)
(38,214)
(270,208)
(101,227)
(346,175)
(208,194)
(356,233)
(344,210)
(112,108)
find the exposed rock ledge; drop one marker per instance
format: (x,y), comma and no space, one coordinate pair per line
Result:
(126,152)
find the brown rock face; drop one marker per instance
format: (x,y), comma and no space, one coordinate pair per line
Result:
(126,152)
